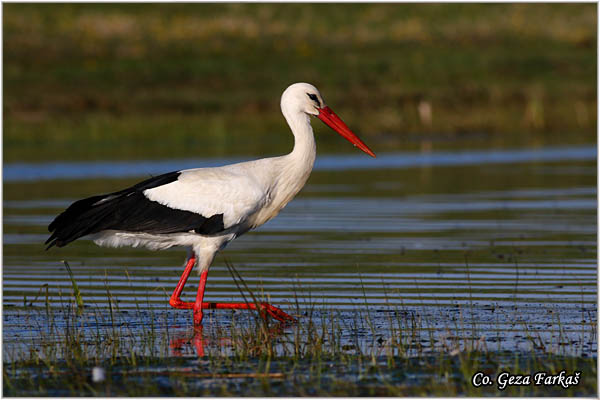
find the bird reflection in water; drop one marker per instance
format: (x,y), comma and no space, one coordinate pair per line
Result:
(198,340)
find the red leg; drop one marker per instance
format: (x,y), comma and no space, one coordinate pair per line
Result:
(273,311)
(175,300)
(199,297)
(199,305)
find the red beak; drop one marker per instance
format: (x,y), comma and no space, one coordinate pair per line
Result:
(327,115)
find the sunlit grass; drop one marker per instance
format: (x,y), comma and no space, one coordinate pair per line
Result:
(207,78)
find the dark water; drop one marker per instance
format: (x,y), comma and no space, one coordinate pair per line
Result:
(500,242)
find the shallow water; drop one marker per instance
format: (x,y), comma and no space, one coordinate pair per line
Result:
(501,241)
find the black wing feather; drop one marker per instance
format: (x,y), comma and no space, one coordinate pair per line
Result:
(128,210)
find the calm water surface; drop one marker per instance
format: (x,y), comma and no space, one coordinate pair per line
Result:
(505,240)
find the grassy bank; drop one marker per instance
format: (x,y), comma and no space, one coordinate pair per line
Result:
(91,81)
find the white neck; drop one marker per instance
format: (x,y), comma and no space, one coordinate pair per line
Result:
(304,140)
(295,167)
(287,174)
(303,155)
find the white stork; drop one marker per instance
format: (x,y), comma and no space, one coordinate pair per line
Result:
(205,208)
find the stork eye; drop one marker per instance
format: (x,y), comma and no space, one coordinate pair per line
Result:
(314,98)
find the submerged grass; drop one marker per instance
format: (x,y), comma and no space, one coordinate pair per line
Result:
(388,352)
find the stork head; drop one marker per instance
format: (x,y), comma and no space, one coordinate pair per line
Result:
(305,98)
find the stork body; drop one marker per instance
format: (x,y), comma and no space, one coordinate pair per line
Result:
(205,208)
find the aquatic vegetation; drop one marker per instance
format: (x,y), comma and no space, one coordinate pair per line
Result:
(388,352)
(152,352)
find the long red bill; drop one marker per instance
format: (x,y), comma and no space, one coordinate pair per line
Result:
(327,115)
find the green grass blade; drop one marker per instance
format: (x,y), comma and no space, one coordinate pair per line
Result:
(76,292)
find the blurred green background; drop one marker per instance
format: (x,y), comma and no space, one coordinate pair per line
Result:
(116,81)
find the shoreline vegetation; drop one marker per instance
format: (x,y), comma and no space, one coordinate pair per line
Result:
(127,81)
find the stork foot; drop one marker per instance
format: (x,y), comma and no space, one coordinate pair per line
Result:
(185,305)
(178,303)
(264,308)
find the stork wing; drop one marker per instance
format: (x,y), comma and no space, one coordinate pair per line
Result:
(205,201)
(229,191)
